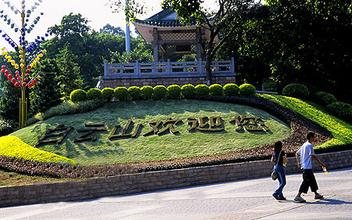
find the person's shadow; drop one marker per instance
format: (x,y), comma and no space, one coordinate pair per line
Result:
(330,202)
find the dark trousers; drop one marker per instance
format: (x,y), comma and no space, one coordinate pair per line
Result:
(308,181)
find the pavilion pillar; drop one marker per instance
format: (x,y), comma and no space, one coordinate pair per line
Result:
(155,45)
(199,43)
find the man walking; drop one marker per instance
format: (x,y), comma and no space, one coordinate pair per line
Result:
(304,158)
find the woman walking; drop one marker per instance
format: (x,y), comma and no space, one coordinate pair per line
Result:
(280,160)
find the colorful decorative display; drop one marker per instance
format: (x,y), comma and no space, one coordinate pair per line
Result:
(27,55)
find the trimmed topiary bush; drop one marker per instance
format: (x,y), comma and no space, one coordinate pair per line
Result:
(174,91)
(325,98)
(342,110)
(121,93)
(94,94)
(78,95)
(135,92)
(247,89)
(202,90)
(107,94)
(147,92)
(231,89)
(296,90)
(188,91)
(160,92)
(216,90)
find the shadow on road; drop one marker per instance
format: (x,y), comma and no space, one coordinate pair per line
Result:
(331,202)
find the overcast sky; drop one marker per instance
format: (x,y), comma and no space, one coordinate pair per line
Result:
(97,12)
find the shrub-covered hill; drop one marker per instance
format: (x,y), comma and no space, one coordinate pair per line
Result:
(156,147)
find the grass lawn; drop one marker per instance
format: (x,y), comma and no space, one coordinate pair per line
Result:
(341,130)
(156,148)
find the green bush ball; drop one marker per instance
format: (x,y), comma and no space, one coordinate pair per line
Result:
(202,91)
(247,89)
(78,95)
(188,91)
(160,92)
(296,90)
(121,93)
(135,92)
(231,89)
(216,90)
(147,92)
(174,91)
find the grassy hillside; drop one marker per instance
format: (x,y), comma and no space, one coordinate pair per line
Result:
(154,148)
(341,131)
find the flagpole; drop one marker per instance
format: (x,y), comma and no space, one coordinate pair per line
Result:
(128,32)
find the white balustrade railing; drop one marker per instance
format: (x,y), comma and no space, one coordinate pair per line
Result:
(167,69)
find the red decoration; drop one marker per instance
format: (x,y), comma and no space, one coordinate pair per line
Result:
(13,81)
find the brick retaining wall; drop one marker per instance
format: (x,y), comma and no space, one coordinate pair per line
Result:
(165,81)
(143,182)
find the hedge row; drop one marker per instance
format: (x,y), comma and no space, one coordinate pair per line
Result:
(161,92)
(340,109)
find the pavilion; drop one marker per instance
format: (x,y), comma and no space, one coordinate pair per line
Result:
(171,40)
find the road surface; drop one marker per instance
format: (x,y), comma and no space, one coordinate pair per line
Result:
(235,200)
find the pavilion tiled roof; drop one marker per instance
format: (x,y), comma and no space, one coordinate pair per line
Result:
(158,20)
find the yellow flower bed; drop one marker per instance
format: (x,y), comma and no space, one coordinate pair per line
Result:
(11,146)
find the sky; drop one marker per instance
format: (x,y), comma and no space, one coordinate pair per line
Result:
(98,13)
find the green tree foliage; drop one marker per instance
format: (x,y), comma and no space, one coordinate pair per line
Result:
(112,30)
(220,22)
(296,41)
(9,100)
(141,52)
(69,77)
(46,93)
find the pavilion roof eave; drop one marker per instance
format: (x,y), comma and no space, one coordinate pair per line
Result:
(146,30)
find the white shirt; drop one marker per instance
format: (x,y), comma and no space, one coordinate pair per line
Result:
(306,151)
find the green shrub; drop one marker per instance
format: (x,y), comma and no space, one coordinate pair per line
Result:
(188,91)
(160,92)
(342,110)
(296,90)
(78,95)
(107,94)
(231,89)
(174,91)
(269,85)
(94,94)
(202,91)
(147,92)
(135,92)
(216,90)
(325,98)
(121,93)
(5,127)
(247,89)
(67,108)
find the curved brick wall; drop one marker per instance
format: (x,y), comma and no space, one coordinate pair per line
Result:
(142,182)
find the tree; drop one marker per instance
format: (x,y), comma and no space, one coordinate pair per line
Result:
(69,77)
(46,94)
(141,52)
(112,30)
(9,108)
(220,22)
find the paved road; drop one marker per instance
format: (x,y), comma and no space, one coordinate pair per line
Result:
(236,200)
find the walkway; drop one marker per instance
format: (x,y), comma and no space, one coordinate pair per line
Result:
(237,200)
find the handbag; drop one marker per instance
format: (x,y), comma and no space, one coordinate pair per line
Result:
(274,174)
